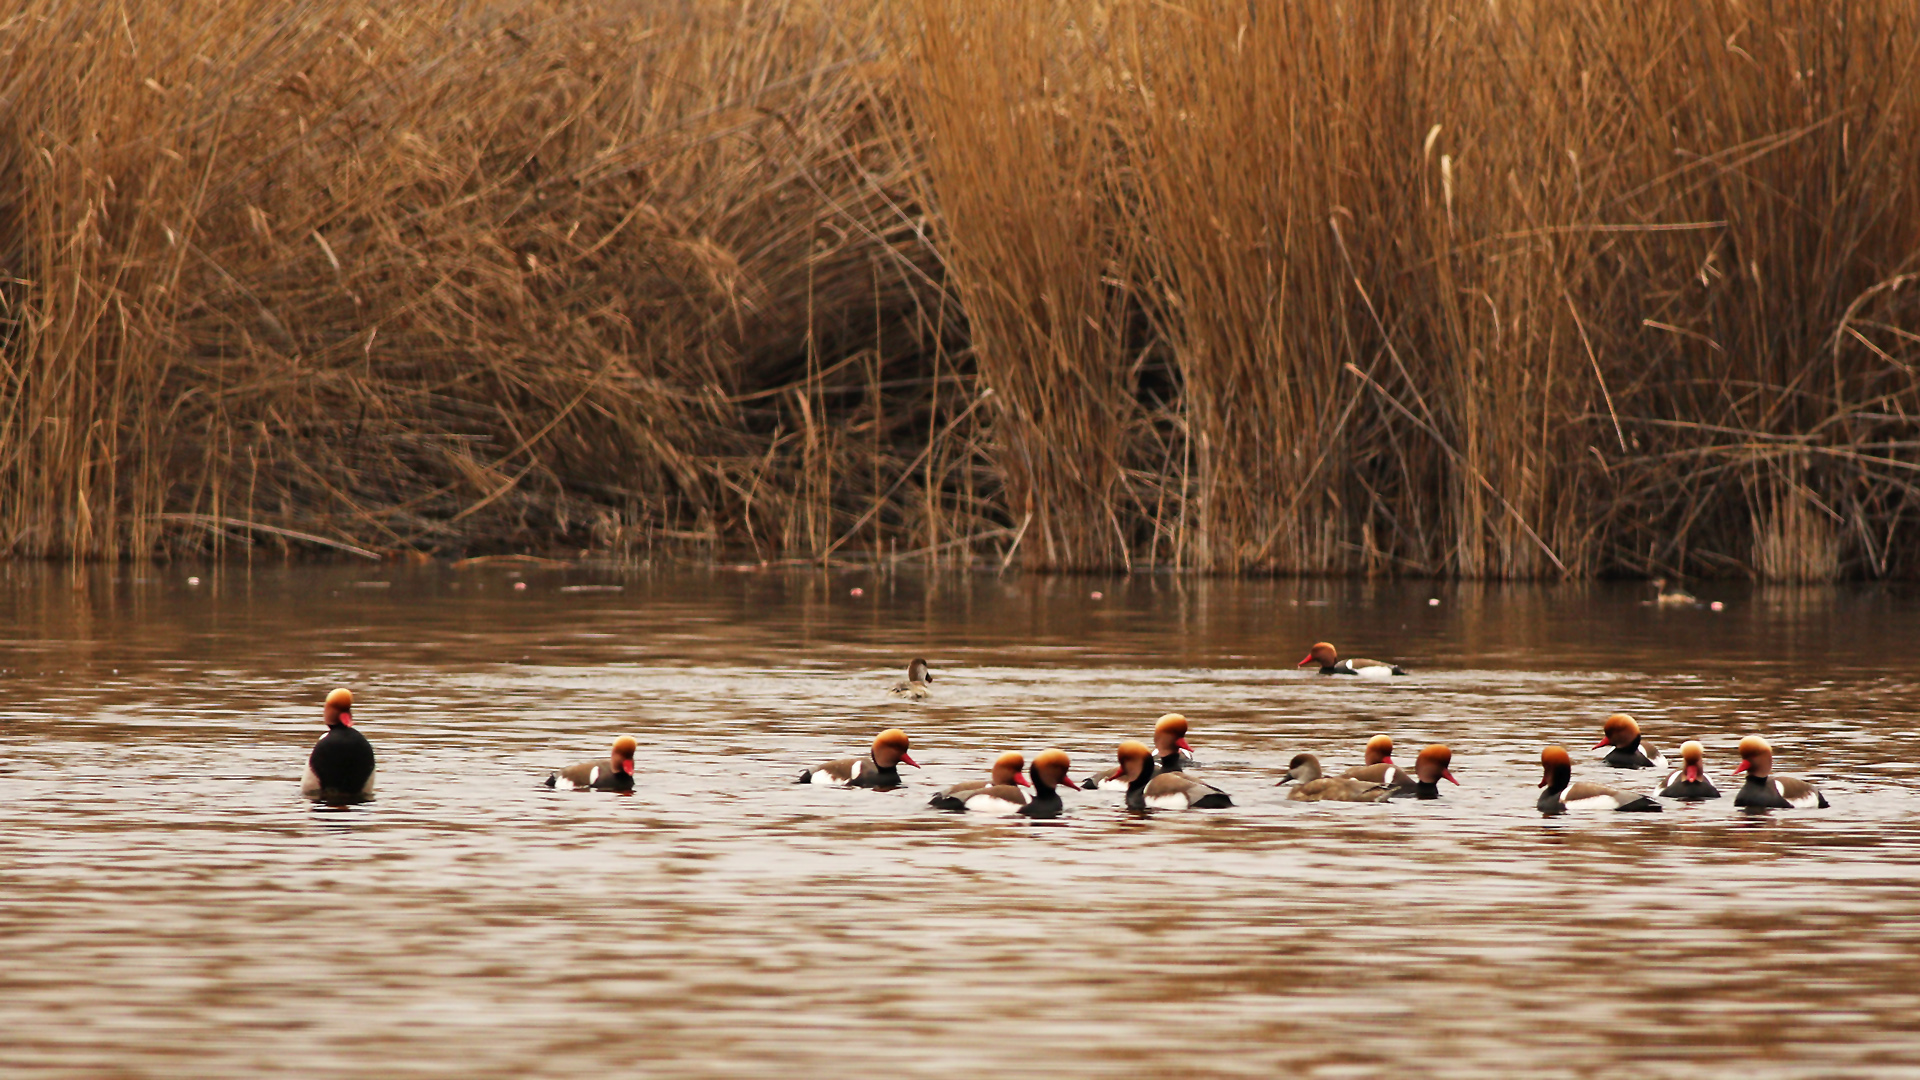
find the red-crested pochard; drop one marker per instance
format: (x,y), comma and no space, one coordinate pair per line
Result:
(1303,772)
(1563,795)
(1429,769)
(611,773)
(1167,790)
(1689,782)
(341,765)
(1763,789)
(1330,663)
(915,688)
(1621,739)
(1049,771)
(879,769)
(1005,773)
(1171,754)
(1380,768)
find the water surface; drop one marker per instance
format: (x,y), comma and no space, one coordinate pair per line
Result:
(171,907)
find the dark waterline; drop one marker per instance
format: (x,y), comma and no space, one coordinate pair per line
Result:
(172,908)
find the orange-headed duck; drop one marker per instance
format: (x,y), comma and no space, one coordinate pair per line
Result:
(1563,795)
(1429,769)
(341,765)
(915,688)
(1049,771)
(879,769)
(1005,774)
(1763,789)
(1167,790)
(1330,663)
(1621,739)
(1380,768)
(1303,772)
(611,773)
(1171,754)
(1689,782)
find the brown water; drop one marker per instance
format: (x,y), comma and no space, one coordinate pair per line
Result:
(171,907)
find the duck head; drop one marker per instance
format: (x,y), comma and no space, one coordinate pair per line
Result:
(1557,765)
(624,748)
(1619,730)
(1756,757)
(1135,759)
(1303,767)
(1379,749)
(1322,653)
(1431,766)
(1692,757)
(917,671)
(1170,734)
(1049,770)
(1006,769)
(890,749)
(340,708)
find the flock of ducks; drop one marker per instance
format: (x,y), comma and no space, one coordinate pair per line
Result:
(1160,776)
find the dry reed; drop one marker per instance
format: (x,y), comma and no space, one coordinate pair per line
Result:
(1488,290)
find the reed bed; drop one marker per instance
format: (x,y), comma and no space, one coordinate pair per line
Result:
(1526,289)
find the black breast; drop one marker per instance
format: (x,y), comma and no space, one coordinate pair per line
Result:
(342,759)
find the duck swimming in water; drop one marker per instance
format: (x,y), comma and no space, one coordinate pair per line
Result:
(1380,768)
(879,769)
(1325,655)
(917,684)
(1765,790)
(1005,773)
(1563,795)
(1164,791)
(1309,786)
(1620,737)
(611,773)
(340,768)
(1172,753)
(1689,782)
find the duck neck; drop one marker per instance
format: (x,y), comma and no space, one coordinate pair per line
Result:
(1137,788)
(1561,776)
(1170,761)
(1423,789)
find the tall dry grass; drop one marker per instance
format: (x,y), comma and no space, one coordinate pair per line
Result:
(438,274)
(1537,287)
(1514,289)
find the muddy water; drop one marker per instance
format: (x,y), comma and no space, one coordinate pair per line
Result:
(170,907)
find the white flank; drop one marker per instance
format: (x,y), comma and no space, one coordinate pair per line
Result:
(1374,671)
(309,781)
(1177,801)
(989,804)
(822,776)
(1659,759)
(1592,802)
(367,788)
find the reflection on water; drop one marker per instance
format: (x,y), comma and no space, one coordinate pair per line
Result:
(171,907)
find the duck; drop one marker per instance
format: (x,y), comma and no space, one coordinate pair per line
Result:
(1667,594)
(1004,773)
(1689,782)
(879,769)
(1048,772)
(1562,795)
(611,773)
(1171,754)
(915,686)
(1763,789)
(1380,768)
(1313,787)
(1330,663)
(1429,768)
(341,765)
(1164,791)
(1622,733)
